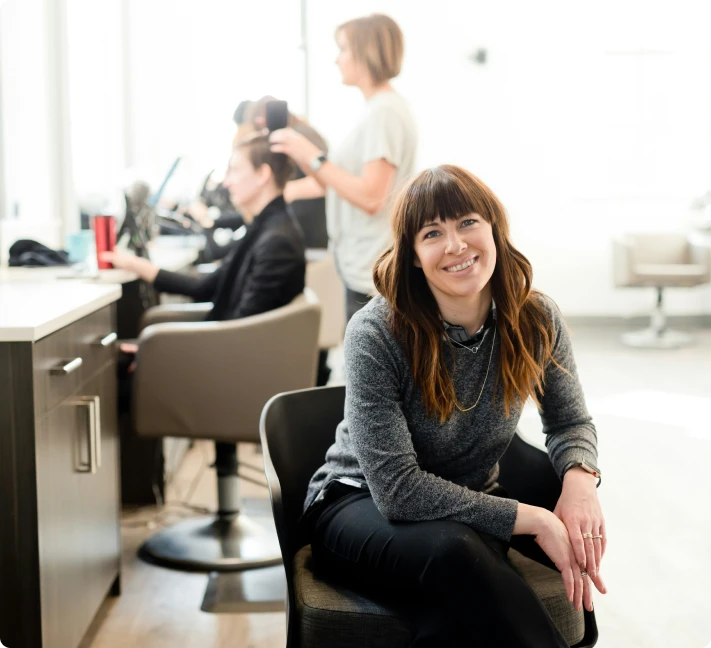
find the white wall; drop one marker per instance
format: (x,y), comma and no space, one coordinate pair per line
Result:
(190,64)
(586,121)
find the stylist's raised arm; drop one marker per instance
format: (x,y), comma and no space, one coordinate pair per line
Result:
(376,156)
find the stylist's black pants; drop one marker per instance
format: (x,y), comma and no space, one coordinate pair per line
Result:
(354,302)
(452,585)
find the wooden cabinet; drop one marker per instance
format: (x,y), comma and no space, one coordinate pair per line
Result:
(60,492)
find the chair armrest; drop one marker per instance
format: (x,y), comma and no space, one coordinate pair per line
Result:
(623,261)
(700,252)
(211,379)
(175,313)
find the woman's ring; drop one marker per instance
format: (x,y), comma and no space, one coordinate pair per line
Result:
(583,573)
(587,535)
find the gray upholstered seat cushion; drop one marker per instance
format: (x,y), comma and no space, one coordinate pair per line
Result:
(548,586)
(337,617)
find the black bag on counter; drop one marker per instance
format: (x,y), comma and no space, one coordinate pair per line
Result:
(27,252)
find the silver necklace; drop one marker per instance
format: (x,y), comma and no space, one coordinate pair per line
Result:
(471,348)
(488,366)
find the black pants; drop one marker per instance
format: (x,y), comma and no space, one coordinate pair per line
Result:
(452,585)
(354,302)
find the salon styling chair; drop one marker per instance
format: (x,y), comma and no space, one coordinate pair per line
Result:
(210,380)
(660,260)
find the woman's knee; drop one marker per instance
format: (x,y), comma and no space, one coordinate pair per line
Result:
(460,553)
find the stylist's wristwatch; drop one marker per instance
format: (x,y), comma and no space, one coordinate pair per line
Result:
(587,467)
(317,162)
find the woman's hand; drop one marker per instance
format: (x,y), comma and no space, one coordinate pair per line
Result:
(125,261)
(295,145)
(129,349)
(198,210)
(579,510)
(552,537)
(554,540)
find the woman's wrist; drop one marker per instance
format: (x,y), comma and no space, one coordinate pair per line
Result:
(577,475)
(310,154)
(529,519)
(145,270)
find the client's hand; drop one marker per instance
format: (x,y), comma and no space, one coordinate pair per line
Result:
(129,349)
(579,510)
(126,261)
(198,210)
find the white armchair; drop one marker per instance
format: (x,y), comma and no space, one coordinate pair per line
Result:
(660,260)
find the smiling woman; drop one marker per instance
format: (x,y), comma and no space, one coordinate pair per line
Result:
(445,218)
(437,369)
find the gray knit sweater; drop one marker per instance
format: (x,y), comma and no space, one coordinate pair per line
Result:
(418,469)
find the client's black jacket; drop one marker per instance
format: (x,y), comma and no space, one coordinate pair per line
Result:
(265,270)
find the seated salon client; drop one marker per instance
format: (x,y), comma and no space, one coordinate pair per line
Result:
(266,268)
(438,367)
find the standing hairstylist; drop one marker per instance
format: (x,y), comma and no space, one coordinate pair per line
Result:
(360,175)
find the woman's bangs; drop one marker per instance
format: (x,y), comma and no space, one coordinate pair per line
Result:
(441,197)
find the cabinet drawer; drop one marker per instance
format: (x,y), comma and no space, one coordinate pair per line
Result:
(97,340)
(65,359)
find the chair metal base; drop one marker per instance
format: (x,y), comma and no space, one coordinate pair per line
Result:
(652,338)
(657,335)
(214,544)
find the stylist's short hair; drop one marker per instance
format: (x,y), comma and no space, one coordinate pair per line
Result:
(258,150)
(377,42)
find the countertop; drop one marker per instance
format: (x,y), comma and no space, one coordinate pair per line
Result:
(30,311)
(166,252)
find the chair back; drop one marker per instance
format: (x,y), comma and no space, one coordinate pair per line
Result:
(660,248)
(296,430)
(211,380)
(660,259)
(322,277)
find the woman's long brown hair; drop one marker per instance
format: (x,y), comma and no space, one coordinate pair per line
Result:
(523,326)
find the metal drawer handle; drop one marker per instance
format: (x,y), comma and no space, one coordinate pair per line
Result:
(66,368)
(97,430)
(108,340)
(90,402)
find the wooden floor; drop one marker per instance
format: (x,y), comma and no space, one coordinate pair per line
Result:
(160,608)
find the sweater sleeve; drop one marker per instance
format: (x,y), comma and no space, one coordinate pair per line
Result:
(200,287)
(383,445)
(570,433)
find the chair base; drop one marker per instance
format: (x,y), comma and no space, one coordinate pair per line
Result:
(209,544)
(652,338)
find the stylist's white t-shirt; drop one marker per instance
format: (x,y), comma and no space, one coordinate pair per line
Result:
(385,131)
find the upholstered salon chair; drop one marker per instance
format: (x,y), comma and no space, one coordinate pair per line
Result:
(296,430)
(210,380)
(660,260)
